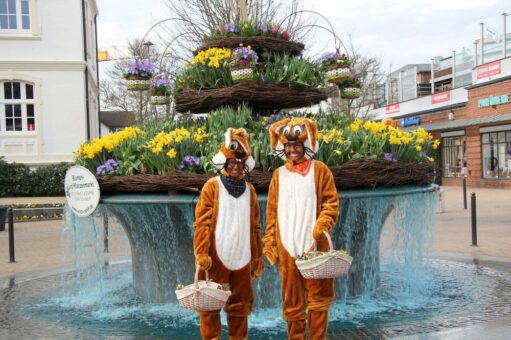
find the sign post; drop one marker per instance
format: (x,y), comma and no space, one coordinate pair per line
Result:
(82,191)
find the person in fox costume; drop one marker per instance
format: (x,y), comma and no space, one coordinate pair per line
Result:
(302,204)
(227,235)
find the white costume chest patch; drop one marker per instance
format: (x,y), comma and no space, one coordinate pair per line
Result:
(232,232)
(296,210)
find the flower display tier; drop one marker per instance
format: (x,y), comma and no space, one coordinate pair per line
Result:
(258,96)
(359,173)
(258,43)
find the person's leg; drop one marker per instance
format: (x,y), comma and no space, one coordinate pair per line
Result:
(320,295)
(210,326)
(293,296)
(240,302)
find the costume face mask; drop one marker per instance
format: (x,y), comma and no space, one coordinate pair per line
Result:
(236,146)
(293,130)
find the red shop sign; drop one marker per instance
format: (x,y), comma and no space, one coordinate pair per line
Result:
(488,70)
(441,97)
(392,108)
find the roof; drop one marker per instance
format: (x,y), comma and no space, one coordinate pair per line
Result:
(455,124)
(116,119)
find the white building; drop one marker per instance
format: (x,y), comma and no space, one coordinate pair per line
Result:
(48,79)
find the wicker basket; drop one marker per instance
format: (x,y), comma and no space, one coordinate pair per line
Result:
(160,100)
(350,92)
(326,265)
(241,74)
(337,74)
(202,295)
(135,83)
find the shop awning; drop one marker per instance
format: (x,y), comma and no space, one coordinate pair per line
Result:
(461,123)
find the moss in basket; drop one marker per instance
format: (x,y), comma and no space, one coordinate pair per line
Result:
(180,286)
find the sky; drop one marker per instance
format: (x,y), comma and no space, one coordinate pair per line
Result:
(399,32)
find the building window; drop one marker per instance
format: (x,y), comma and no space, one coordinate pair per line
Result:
(17,107)
(454,156)
(14,16)
(497,154)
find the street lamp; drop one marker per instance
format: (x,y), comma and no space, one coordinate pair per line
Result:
(504,15)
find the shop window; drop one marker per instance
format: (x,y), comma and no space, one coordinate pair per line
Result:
(17,107)
(454,156)
(497,154)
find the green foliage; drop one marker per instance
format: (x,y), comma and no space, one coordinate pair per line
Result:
(17,180)
(294,71)
(199,76)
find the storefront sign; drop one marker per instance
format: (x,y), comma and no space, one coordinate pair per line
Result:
(392,109)
(441,97)
(495,100)
(410,121)
(82,190)
(488,70)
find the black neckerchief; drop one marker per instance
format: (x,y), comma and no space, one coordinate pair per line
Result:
(235,187)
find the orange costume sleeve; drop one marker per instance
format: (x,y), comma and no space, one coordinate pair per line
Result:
(205,212)
(270,236)
(257,263)
(328,200)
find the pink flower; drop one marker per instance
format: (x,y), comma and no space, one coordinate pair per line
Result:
(274,30)
(285,34)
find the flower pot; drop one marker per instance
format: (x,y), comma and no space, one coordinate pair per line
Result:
(138,83)
(350,92)
(159,100)
(241,74)
(336,74)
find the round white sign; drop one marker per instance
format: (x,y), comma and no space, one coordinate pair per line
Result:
(82,190)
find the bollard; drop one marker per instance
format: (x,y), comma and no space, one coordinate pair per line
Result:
(105,233)
(10,218)
(465,193)
(474,219)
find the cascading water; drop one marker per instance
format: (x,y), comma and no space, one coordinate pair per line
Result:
(389,291)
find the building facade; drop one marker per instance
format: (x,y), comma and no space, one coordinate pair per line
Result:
(49,99)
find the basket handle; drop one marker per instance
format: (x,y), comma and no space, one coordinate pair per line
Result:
(196,281)
(330,245)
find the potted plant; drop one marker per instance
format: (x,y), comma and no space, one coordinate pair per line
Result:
(160,92)
(139,75)
(243,59)
(336,67)
(350,89)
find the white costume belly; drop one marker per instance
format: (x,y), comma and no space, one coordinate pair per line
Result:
(296,210)
(232,232)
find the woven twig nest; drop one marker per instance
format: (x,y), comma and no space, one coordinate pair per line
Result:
(258,96)
(359,173)
(257,43)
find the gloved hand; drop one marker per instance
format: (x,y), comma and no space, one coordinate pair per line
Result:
(203,261)
(256,268)
(317,232)
(271,254)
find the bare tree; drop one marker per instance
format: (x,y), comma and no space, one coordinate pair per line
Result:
(113,92)
(368,70)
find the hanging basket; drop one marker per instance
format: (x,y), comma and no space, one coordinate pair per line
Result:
(242,74)
(350,92)
(160,100)
(336,74)
(138,83)
(202,295)
(324,265)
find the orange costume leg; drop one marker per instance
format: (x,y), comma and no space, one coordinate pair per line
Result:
(293,296)
(320,295)
(238,307)
(240,302)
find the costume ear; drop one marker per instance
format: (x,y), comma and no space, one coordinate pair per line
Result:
(275,131)
(250,162)
(228,137)
(219,160)
(312,132)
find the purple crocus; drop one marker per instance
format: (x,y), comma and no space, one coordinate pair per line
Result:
(109,166)
(263,28)
(231,27)
(389,157)
(189,162)
(100,170)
